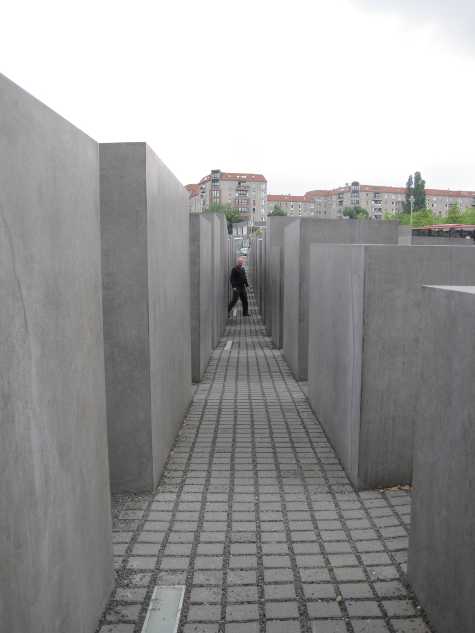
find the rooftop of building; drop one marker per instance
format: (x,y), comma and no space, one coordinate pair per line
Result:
(238,176)
(320,193)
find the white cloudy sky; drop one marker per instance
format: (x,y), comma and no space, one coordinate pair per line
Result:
(311,93)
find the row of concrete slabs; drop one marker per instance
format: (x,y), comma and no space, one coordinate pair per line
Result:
(96,330)
(383,333)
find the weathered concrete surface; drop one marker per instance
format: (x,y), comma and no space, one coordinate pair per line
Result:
(442,540)
(447,241)
(202,294)
(146,273)
(297,239)
(405,235)
(275,238)
(275,294)
(55,526)
(364,355)
(219,277)
(260,272)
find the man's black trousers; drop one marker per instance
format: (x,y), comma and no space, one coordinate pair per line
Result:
(239,293)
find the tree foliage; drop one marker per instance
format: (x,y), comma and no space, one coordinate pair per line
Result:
(231,214)
(409,193)
(415,187)
(277,210)
(454,214)
(419,192)
(425,217)
(355,213)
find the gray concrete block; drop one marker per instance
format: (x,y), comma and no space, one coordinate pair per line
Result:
(146,300)
(259,272)
(442,540)
(219,238)
(275,238)
(274,295)
(202,294)
(55,524)
(298,237)
(447,241)
(405,235)
(364,349)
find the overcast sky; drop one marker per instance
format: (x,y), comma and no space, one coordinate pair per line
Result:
(312,94)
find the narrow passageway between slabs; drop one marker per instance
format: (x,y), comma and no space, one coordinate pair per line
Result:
(256,519)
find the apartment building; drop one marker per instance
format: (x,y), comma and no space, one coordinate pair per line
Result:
(292,205)
(377,200)
(194,200)
(243,191)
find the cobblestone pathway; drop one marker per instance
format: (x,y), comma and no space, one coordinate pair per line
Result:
(255,516)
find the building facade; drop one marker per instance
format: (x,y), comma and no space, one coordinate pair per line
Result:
(376,200)
(243,191)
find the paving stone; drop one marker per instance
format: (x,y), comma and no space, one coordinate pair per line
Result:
(411,625)
(315,575)
(130,594)
(328,626)
(342,560)
(319,591)
(247,627)
(324,609)
(282,626)
(208,562)
(385,572)
(363,609)
(200,628)
(204,613)
(278,575)
(349,573)
(399,608)
(207,595)
(243,562)
(238,577)
(369,626)
(241,593)
(118,612)
(281,609)
(279,592)
(241,612)
(390,589)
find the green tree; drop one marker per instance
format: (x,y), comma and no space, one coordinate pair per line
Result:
(232,215)
(468,216)
(392,217)
(277,210)
(419,192)
(454,214)
(424,217)
(355,213)
(409,193)
(416,187)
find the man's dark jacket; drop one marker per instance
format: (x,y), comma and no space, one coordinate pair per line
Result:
(238,278)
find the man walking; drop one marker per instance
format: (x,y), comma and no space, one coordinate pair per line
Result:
(239,284)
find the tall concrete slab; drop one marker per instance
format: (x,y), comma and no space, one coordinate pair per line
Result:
(202,294)
(146,297)
(298,237)
(259,272)
(405,235)
(274,296)
(55,525)
(364,349)
(275,240)
(442,540)
(218,259)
